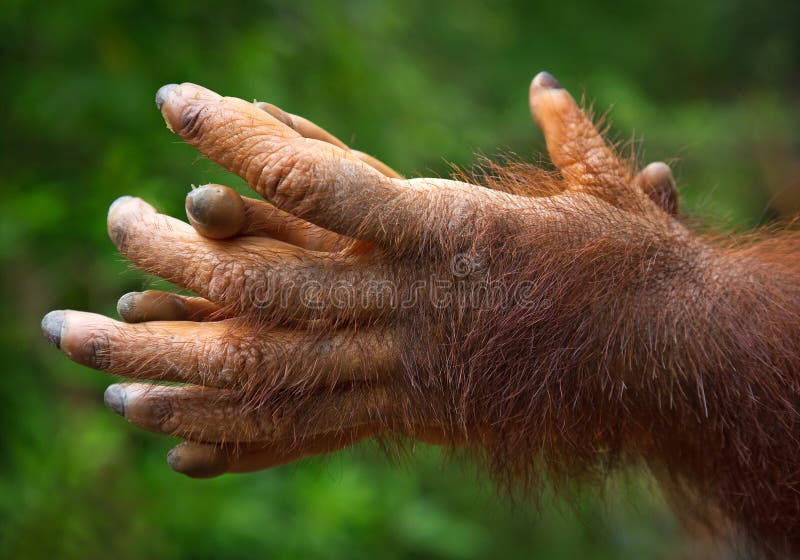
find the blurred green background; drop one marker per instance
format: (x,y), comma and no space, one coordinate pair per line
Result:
(712,87)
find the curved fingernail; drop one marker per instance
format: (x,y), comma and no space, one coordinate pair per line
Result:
(114,398)
(186,108)
(173,459)
(126,304)
(138,307)
(162,94)
(659,172)
(215,211)
(117,202)
(53,327)
(84,338)
(545,80)
(198,202)
(658,184)
(116,231)
(122,219)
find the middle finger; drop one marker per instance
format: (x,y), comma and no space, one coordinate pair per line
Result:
(258,276)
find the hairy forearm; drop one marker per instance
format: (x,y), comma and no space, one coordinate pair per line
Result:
(696,371)
(725,416)
(556,323)
(643,343)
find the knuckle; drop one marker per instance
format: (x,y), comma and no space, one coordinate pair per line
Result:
(279,175)
(94,349)
(192,118)
(159,414)
(472,222)
(222,278)
(209,362)
(239,361)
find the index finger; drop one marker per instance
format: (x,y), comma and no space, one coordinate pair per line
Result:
(574,144)
(315,180)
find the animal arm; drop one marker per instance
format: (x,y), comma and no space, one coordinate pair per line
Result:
(551,322)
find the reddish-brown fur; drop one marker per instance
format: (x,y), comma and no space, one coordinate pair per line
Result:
(641,343)
(644,344)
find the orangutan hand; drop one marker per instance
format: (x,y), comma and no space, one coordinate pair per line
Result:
(354,302)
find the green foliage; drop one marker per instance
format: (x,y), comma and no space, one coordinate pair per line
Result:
(707,85)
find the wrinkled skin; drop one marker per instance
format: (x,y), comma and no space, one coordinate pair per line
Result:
(277,365)
(283,157)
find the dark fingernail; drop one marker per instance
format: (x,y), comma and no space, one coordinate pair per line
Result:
(198,202)
(163,93)
(126,304)
(120,200)
(52,327)
(173,459)
(545,80)
(215,211)
(114,397)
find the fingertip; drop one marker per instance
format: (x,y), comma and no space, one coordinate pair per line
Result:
(151,305)
(163,93)
(53,327)
(117,202)
(126,306)
(171,109)
(182,106)
(126,200)
(549,102)
(197,460)
(173,460)
(84,337)
(658,172)
(114,398)
(118,219)
(545,80)
(215,211)
(657,182)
